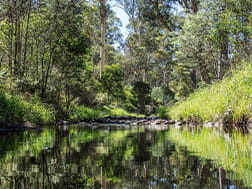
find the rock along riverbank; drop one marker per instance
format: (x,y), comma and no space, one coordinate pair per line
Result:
(151,123)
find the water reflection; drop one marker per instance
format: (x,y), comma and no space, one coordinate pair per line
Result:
(78,158)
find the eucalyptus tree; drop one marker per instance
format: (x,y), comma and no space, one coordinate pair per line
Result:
(148,48)
(15,20)
(102,26)
(209,43)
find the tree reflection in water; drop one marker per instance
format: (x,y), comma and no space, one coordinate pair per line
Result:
(81,158)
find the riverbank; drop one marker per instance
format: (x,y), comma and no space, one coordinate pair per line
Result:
(228,101)
(22,112)
(123,122)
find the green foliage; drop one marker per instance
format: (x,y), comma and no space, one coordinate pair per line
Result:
(130,100)
(209,42)
(142,92)
(111,81)
(229,99)
(15,108)
(162,112)
(162,96)
(157,95)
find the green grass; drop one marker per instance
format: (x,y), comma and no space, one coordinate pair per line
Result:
(115,111)
(82,112)
(229,99)
(17,109)
(230,151)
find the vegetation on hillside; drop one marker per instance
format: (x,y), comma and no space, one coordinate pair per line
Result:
(228,100)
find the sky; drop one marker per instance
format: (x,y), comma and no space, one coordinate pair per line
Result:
(123,17)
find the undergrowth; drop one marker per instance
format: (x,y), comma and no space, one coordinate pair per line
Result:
(18,109)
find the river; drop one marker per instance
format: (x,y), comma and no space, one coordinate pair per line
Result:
(137,158)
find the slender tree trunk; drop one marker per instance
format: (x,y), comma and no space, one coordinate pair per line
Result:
(42,94)
(223,59)
(47,73)
(26,38)
(103,18)
(10,49)
(17,47)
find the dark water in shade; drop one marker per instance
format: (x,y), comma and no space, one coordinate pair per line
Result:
(120,159)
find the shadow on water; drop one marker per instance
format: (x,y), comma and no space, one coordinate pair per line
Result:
(134,158)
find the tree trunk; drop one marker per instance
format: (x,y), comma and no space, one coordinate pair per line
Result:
(17,47)
(10,48)
(223,59)
(103,18)
(26,38)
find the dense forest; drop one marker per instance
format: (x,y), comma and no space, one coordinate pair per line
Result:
(67,59)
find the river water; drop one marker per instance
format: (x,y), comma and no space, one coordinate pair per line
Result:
(136,158)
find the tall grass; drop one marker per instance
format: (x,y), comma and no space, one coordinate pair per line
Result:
(17,109)
(82,112)
(230,151)
(229,99)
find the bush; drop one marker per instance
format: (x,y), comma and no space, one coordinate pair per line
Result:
(142,91)
(162,112)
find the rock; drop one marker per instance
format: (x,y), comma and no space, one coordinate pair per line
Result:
(178,126)
(62,122)
(208,124)
(159,122)
(249,125)
(218,124)
(171,121)
(178,123)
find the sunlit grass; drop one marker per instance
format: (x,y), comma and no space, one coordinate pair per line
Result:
(116,111)
(230,99)
(230,151)
(82,112)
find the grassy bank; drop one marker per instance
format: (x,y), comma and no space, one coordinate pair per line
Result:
(25,110)
(229,99)
(18,109)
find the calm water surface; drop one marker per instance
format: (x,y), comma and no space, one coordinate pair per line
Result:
(125,159)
